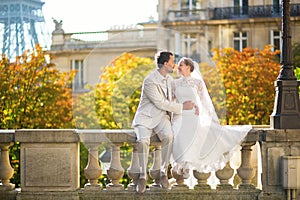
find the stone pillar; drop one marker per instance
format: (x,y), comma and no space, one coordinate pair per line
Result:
(202,180)
(115,171)
(7,191)
(49,163)
(6,171)
(154,171)
(180,185)
(133,169)
(92,139)
(93,170)
(224,175)
(246,172)
(274,145)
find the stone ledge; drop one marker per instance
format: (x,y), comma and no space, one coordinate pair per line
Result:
(8,195)
(7,136)
(46,136)
(280,135)
(168,194)
(48,196)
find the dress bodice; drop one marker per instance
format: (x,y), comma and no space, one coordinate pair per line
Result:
(185,89)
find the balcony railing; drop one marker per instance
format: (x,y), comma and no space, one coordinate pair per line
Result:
(264,11)
(50,167)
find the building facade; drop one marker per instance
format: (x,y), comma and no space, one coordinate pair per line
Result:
(186,27)
(199,25)
(88,52)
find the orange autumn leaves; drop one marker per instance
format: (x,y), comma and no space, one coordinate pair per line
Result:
(113,101)
(248,79)
(117,95)
(34,94)
(242,85)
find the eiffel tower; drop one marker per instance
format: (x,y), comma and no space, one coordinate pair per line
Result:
(22,26)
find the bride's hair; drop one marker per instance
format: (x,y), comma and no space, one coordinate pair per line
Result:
(188,62)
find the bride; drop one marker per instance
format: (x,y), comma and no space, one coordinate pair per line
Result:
(200,142)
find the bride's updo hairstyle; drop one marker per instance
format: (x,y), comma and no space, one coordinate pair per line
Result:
(188,62)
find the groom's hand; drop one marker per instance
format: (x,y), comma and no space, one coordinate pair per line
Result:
(196,109)
(188,105)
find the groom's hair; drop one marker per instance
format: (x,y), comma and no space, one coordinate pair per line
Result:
(162,57)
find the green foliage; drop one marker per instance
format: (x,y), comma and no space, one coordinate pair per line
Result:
(296,55)
(297,74)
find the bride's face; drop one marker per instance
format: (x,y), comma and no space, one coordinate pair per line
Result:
(183,69)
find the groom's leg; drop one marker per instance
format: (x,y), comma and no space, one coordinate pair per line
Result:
(165,134)
(143,141)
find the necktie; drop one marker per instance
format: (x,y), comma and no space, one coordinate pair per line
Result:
(167,89)
(168,98)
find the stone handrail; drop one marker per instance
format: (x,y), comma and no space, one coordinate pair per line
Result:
(103,39)
(50,166)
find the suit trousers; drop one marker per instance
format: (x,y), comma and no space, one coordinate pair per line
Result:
(165,134)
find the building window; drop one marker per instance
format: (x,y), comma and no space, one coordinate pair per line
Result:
(276,6)
(190,4)
(239,40)
(78,82)
(241,7)
(275,40)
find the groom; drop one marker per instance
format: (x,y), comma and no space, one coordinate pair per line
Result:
(152,117)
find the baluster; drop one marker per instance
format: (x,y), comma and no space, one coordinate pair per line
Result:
(133,169)
(224,175)
(179,181)
(246,171)
(202,180)
(154,171)
(115,171)
(6,171)
(93,170)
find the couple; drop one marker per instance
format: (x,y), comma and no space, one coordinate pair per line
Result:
(193,136)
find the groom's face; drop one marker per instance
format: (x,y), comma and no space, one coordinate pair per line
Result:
(170,65)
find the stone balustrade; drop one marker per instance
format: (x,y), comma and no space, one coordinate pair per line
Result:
(49,167)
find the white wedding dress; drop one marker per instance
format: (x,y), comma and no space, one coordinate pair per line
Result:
(200,142)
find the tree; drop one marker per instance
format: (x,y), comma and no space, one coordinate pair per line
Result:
(112,103)
(34,94)
(248,78)
(296,55)
(117,95)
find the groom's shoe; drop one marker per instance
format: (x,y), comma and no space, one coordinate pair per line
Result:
(141,186)
(164,181)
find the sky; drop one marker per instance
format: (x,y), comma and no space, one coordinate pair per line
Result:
(97,15)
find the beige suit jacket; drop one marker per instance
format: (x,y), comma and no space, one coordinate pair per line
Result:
(153,101)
